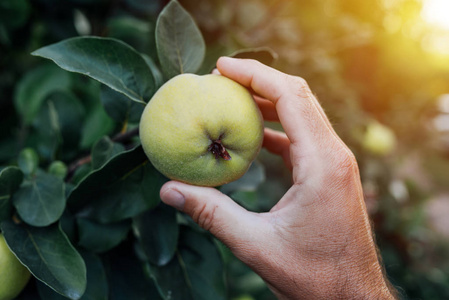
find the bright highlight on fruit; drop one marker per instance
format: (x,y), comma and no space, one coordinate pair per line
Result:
(203,130)
(13,275)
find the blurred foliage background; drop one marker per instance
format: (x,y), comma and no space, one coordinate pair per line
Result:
(379,68)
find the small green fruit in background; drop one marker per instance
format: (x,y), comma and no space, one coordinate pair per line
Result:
(203,130)
(379,139)
(58,168)
(28,161)
(13,275)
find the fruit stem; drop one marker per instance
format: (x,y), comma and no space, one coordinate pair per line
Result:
(217,149)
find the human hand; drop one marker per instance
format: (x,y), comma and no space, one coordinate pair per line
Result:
(316,242)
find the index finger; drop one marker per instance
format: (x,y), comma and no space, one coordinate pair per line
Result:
(299,112)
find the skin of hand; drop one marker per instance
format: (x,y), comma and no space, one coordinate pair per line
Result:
(316,242)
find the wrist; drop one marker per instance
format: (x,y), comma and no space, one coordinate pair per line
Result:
(365,281)
(335,281)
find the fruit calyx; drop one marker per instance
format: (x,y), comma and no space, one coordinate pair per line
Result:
(217,149)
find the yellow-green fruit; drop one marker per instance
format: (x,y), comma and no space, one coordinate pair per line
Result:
(13,275)
(203,130)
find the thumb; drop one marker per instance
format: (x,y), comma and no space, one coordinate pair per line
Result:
(215,212)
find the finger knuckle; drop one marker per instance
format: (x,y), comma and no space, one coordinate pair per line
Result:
(298,85)
(345,165)
(204,215)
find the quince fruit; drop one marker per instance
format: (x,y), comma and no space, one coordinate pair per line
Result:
(13,275)
(203,130)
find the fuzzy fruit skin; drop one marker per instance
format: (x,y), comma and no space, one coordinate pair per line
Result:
(13,275)
(187,114)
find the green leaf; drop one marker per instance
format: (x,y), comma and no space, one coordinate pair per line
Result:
(196,271)
(265,55)
(47,293)
(107,60)
(157,231)
(101,237)
(96,125)
(247,199)
(68,226)
(58,124)
(10,180)
(35,87)
(125,187)
(203,265)
(14,14)
(80,173)
(144,6)
(137,32)
(158,76)
(119,107)
(248,182)
(127,277)
(49,256)
(172,280)
(97,284)
(28,161)
(104,150)
(47,124)
(40,201)
(180,45)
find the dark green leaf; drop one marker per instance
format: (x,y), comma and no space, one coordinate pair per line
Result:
(247,199)
(125,187)
(36,86)
(119,107)
(96,125)
(97,284)
(203,265)
(109,61)
(157,231)
(104,150)
(172,280)
(10,180)
(158,76)
(8,149)
(137,32)
(131,195)
(196,271)
(79,175)
(40,201)
(50,257)
(127,277)
(68,226)
(248,182)
(101,237)
(145,6)
(47,293)
(180,45)
(58,124)
(47,123)
(263,54)
(28,161)
(14,14)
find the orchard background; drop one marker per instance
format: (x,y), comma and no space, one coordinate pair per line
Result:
(69,145)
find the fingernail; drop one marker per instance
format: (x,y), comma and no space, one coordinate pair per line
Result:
(174,198)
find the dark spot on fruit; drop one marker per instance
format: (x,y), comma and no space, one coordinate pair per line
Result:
(218,150)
